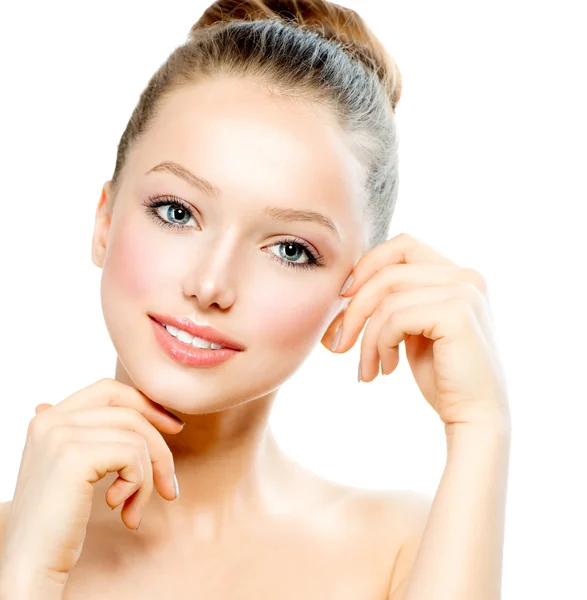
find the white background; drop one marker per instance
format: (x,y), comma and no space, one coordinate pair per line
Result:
(492,140)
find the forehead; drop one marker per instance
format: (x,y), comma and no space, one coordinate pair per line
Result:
(254,144)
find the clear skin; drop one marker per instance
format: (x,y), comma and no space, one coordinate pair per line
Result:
(241,498)
(250,523)
(223,268)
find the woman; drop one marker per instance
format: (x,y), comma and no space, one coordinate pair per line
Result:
(251,199)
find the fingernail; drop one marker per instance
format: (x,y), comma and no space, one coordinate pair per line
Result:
(173,417)
(336,339)
(175,487)
(347,284)
(359,375)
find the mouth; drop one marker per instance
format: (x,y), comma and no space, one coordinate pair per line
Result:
(199,336)
(188,350)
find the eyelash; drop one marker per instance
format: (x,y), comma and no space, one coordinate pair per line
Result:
(315,259)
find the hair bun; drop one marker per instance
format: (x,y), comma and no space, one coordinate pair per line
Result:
(330,20)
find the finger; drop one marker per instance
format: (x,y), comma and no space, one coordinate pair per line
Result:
(122,491)
(41,407)
(112,457)
(106,435)
(391,278)
(109,392)
(372,353)
(449,322)
(161,464)
(401,249)
(370,358)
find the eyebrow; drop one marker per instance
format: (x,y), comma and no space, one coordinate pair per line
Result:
(277,213)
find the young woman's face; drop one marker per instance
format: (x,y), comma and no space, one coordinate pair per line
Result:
(229,263)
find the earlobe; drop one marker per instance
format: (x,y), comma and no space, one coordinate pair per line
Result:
(101,226)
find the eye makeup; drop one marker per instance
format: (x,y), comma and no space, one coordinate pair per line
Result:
(154,202)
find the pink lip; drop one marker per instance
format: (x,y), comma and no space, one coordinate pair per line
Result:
(186,354)
(207,333)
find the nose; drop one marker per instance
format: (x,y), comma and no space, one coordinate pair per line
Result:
(211,278)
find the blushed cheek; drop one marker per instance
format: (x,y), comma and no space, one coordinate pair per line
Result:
(134,267)
(292,318)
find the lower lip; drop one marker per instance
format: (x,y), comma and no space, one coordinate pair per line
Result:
(189,355)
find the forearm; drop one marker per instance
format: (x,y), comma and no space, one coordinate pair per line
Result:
(21,584)
(461,551)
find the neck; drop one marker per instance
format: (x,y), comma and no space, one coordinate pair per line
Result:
(230,471)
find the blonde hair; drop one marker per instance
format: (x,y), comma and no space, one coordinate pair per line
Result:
(308,49)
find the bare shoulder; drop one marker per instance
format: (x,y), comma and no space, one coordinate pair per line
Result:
(385,525)
(409,506)
(391,517)
(401,514)
(387,519)
(405,515)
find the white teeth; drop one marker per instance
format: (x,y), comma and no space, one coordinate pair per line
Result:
(184,336)
(196,341)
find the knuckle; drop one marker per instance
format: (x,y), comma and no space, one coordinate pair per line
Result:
(138,440)
(144,449)
(140,467)
(37,428)
(109,387)
(477,279)
(139,451)
(463,311)
(407,238)
(474,296)
(468,291)
(133,457)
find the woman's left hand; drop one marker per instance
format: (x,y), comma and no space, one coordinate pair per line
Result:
(411,293)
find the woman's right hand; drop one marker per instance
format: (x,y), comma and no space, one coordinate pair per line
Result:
(105,427)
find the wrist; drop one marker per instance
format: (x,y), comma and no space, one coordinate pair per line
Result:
(478,439)
(496,424)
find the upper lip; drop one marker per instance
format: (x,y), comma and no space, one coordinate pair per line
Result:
(205,332)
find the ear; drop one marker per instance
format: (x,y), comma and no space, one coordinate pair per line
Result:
(102,222)
(330,332)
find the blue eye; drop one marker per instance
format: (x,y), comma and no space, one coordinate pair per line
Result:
(176,211)
(180,211)
(293,249)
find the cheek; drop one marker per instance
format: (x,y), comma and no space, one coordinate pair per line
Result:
(134,267)
(292,315)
